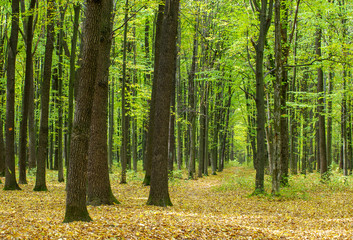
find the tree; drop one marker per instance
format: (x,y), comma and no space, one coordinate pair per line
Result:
(76,209)
(150,134)
(45,87)
(10,172)
(27,88)
(265,16)
(159,194)
(98,187)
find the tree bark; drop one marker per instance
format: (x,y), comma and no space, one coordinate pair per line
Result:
(10,174)
(265,16)
(192,106)
(26,94)
(98,188)
(150,134)
(159,194)
(124,117)
(45,90)
(76,209)
(321,110)
(72,81)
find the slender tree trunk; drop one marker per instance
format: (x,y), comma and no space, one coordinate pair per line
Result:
(329,119)
(45,90)
(76,209)
(265,16)
(26,94)
(321,110)
(179,104)
(134,119)
(202,130)
(2,150)
(59,128)
(159,194)
(10,174)
(171,142)
(192,105)
(124,117)
(2,100)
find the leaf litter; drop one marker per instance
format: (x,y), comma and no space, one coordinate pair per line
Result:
(213,207)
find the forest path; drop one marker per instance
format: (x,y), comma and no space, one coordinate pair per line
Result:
(213,207)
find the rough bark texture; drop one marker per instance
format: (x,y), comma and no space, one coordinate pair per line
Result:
(98,188)
(45,96)
(76,209)
(10,174)
(72,80)
(265,16)
(159,194)
(149,146)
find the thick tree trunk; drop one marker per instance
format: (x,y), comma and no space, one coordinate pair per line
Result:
(150,134)
(76,209)
(45,90)
(159,194)
(10,173)
(72,81)
(98,184)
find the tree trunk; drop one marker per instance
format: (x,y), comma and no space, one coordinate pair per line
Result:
(192,105)
(265,16)
(202,130)
(26,93)
(124,116)
(59,127)
(2,100)
(72,81)
(76,209)
(98,184)
(329,119)
(321,110)
(10,174)
(45,90)
(159,194)
(150,134)
(2,149)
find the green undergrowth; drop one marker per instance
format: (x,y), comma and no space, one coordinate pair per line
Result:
(304,187)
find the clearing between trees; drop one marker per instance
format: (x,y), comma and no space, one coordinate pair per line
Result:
(213,207)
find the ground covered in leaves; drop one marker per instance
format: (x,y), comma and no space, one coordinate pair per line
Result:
(213,207)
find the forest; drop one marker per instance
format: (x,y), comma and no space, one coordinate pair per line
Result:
(176,119)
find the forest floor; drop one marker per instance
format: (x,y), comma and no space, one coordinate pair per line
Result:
(213,207)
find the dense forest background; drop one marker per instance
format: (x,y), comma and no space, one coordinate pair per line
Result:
(264,83)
